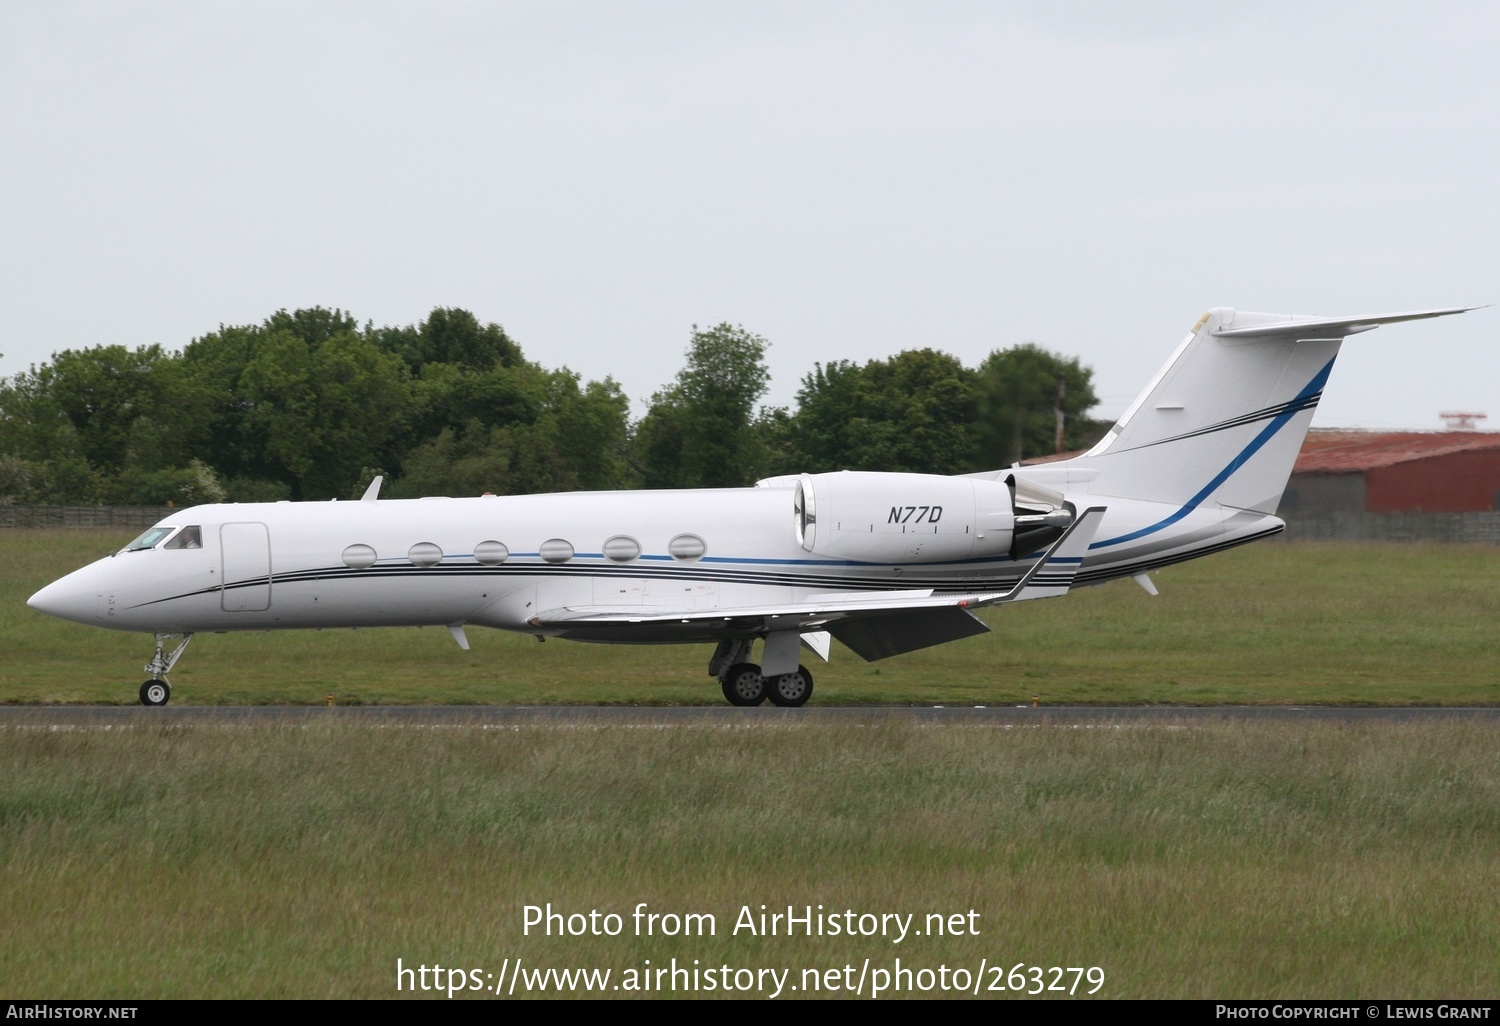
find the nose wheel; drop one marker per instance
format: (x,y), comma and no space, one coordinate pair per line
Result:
(155,692)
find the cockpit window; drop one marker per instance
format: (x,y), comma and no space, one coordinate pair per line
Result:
(187,538)
(181,538)
(150,539)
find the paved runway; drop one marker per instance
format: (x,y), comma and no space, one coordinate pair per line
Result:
(510,715)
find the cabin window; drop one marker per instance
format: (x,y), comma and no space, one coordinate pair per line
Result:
(556,550)
(359,557)
(187,538)
(491,553)
(425,554)
(622,548)
(687,546)
(150,539)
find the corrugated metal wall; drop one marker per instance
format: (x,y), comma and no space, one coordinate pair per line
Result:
(1394,527)
(1458,482)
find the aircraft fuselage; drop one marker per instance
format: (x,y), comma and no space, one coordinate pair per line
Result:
(500,561)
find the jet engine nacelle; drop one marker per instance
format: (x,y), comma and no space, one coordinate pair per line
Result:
(903,518)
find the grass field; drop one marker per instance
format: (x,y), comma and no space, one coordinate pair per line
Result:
(1230,860)
(1272,623)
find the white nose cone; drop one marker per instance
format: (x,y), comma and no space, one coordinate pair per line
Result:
(69,599)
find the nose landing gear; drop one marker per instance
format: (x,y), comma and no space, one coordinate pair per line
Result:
(156,691)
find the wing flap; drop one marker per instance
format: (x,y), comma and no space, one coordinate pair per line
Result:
(879,637)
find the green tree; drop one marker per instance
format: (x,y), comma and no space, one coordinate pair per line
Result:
(308,405)
(914,413)
(449,336)
(243,419)
(1019,397)
(42,460)
(314,325)
(104,424)
(116,399)
(470,460)
(700,431)
(592,431)
(324,412)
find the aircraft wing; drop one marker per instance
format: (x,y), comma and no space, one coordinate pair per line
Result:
(874,624)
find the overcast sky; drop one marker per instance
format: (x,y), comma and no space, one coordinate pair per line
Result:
(846,179)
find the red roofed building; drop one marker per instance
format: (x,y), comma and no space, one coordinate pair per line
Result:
(1390,486)
(1395,472)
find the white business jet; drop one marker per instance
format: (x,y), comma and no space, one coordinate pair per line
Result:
(885,563)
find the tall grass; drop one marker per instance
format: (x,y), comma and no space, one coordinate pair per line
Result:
(1230,860)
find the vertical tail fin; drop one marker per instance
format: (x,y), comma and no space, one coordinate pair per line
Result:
(1224,419)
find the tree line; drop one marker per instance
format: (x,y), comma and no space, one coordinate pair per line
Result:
(311,405)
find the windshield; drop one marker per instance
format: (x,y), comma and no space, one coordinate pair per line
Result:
(185,538)
(149,539)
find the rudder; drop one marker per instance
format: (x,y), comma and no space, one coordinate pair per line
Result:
(1225,417)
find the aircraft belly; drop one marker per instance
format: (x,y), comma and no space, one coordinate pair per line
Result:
(645,634)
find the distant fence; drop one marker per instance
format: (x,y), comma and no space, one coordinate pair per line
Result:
(129,518)
(1399,527)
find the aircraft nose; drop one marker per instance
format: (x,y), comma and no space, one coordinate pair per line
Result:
(66,599)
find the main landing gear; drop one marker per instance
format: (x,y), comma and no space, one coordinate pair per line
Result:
(743,684)
(790,689)
(157,691)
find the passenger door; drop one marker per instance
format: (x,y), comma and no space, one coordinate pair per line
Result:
(246,550)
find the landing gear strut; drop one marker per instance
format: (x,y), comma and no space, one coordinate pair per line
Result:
(738,677)
(156,691)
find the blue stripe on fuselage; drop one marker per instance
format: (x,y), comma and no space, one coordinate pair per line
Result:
(1266,434)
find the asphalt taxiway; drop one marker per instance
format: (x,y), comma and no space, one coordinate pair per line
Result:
(664,716)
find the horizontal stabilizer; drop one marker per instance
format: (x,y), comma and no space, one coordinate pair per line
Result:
(1222,421)
(1332,327)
